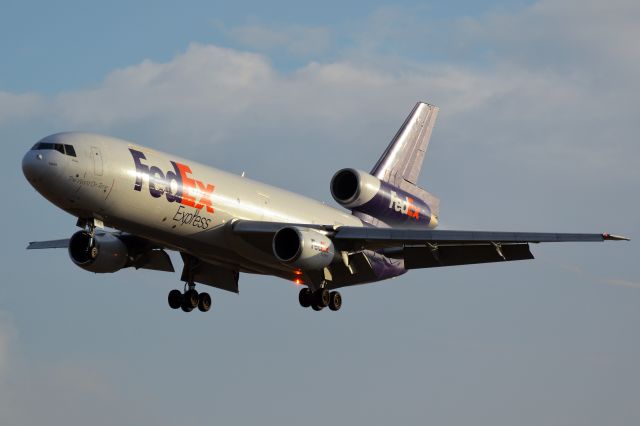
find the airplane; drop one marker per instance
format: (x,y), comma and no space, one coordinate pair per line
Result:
(134,203)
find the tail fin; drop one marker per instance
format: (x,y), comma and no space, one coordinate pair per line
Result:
(401,162)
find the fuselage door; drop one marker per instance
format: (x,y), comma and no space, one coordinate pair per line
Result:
(263,201)
(97,160)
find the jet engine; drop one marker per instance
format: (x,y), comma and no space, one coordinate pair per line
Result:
(107,254)
(303,248)
(361,192)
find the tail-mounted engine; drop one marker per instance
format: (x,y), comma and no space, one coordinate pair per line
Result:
(303,248)
(361,192)
(107,253)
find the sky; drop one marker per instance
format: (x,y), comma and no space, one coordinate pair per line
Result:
(537,132)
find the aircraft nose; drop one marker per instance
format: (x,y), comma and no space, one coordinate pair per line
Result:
(33,166)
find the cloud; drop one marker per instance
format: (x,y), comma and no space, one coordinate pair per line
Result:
(297,40)
(19,107)
(62,392)
(208,96)
(567,34)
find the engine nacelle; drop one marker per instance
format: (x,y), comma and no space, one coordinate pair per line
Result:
(303,248)
(361,192)
(108,254)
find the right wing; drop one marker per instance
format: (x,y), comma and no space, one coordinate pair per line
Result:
(142,253)
(63,243)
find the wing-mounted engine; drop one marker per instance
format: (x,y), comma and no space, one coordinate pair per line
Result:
(303,248)
(109,252)
(361,192)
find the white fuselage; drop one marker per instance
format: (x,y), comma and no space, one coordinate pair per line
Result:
(175,202)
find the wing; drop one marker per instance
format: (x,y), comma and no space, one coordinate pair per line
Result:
(429,248)
(63,243)
(143,254)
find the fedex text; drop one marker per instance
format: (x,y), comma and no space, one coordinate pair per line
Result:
(404,205)
(177,184)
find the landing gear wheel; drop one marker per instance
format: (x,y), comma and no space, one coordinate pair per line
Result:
(321,297)
(316,307)
(190,299)
(93,252)
(335,301)
(204,302)
(304,297)
(175,299)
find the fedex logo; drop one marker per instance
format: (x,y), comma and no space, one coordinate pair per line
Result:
(320,246)
(404,206)
(176,185)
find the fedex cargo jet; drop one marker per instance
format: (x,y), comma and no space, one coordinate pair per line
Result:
(134,203)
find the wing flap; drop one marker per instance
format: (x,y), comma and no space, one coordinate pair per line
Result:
(430,257)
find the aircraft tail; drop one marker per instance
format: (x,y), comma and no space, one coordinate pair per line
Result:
(401,162)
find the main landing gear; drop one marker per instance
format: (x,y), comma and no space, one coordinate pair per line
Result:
(190,299)
(320,299)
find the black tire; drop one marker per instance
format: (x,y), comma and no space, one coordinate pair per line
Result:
(321,297)
(335,301)
(316,307)
(204,302)
(191,299)
(175,299)
(185,307)
(304,297)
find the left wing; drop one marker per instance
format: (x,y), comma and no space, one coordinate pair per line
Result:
(389,237)
(429,248)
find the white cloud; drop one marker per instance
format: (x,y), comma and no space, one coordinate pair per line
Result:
(567,34)
(210,96)
(18,107)
(297,40)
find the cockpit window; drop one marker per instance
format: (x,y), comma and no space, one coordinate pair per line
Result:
(61,148)
(70,150)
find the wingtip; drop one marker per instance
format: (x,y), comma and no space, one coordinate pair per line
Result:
(610,237)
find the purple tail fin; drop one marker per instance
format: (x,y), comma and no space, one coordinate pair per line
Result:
(401,162)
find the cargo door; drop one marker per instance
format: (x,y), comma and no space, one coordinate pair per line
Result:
(97,161)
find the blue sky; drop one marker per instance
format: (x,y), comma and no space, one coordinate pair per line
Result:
(537,131)
(94,38)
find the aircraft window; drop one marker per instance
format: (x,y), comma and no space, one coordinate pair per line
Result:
(70,150)
(63,149)
(44,145)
